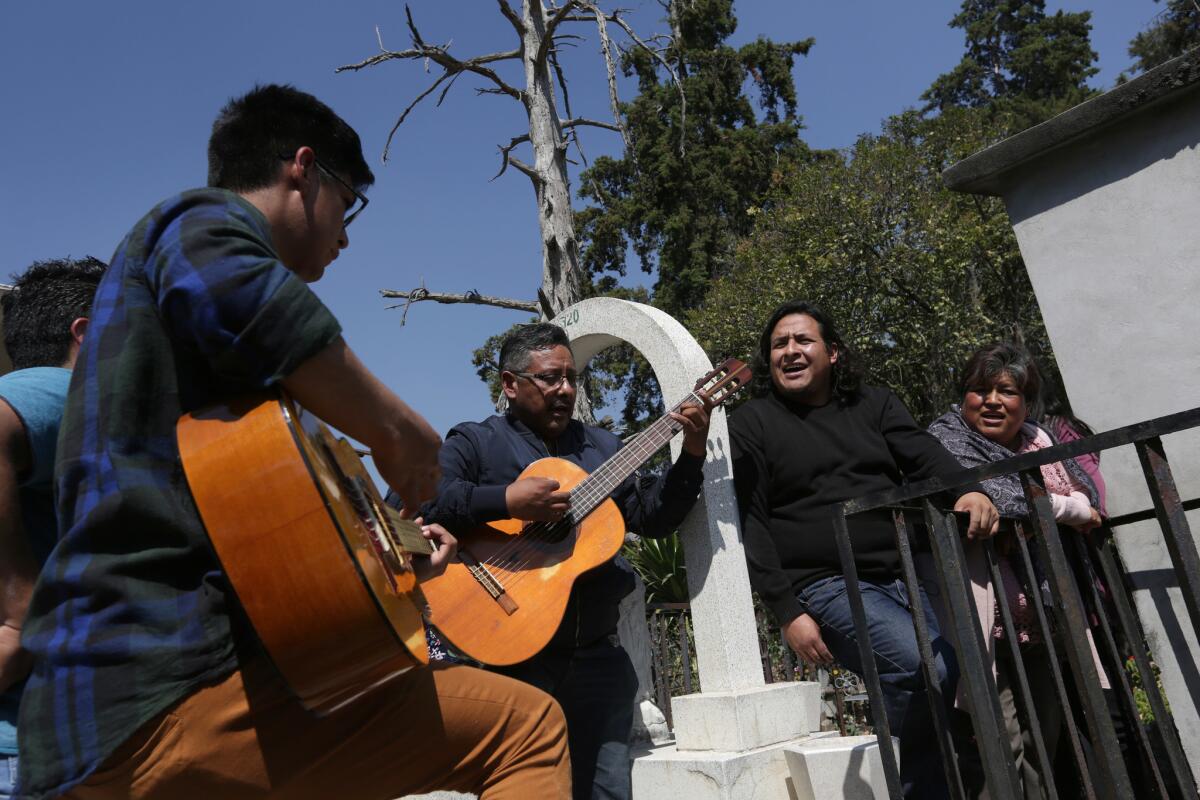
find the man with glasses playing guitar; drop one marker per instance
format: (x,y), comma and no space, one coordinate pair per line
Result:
(583,666)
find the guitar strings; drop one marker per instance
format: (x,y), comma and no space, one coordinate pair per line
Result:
(587,495)
(595,488)
(590,492)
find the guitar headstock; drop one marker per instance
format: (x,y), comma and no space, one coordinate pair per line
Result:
(720,384)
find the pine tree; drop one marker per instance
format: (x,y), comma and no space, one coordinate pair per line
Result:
(1174,31)
(679,196)
(1018,59)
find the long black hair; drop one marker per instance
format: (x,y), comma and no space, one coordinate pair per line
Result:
(847,374)
(1053,408)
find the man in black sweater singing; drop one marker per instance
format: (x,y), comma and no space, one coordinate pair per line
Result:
(814,438)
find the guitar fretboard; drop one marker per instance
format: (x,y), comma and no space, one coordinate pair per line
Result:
(592,490)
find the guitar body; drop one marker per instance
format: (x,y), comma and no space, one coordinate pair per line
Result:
(537,576)
(288,509)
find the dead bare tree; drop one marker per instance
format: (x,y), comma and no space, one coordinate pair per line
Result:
(540,32)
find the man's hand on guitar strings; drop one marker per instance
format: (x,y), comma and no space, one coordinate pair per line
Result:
(694,420)
(447,550)
(536,499)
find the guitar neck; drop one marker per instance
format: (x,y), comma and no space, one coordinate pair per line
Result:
(589,493)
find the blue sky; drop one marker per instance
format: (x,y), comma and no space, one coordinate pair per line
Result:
(108,108)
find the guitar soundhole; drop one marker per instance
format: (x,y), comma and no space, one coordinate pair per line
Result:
(546,535)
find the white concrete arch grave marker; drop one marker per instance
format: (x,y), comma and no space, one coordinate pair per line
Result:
(735,710)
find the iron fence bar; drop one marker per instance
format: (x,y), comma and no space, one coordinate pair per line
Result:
(789,663)
(686,653)
(1171,517)
(1033,591)
(1010,635)
(1164,723)
(891,769)
(764,645)
(974,665)
(1092,444)
(1069,611)
(937,702)
(1117,678)
(664,675)
(839,703)
(1150,513)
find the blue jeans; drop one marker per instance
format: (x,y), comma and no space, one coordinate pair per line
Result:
(596,686)
(898,660)
(8,776)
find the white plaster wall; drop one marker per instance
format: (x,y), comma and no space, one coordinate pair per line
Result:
(1110,232)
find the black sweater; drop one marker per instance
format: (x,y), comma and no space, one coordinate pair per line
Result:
(792,464)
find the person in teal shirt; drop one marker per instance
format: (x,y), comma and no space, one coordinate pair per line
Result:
(45,317)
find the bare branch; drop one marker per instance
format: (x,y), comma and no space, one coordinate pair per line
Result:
(562,82)
(616,19)
(505,153)
(529,171)
(595,123)
(548,34)
(512,17)
(611,68)
(387,146)
(472,297)
(440,55)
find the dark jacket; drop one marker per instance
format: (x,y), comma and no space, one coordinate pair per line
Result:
(794,464)
(480,459)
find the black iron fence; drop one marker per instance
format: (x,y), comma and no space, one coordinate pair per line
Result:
(1114,750)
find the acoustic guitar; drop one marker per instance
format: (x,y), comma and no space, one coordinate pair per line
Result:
(505,598)
(310,548)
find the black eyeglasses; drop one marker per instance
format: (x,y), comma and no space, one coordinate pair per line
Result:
(360,200)
(550,380)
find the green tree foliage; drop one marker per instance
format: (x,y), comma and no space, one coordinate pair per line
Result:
(917,276)
(1174,31)
(678,198)
(682,212)
(1018,59)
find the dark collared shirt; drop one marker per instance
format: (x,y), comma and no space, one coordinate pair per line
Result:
(132,612)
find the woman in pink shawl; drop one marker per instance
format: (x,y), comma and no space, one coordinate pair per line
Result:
(1000,384)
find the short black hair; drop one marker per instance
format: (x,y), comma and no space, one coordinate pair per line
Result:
(999,358)
(847,374)
(524,340)
(253,133)
(43,302)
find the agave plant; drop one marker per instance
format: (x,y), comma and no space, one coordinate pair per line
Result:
(660,563)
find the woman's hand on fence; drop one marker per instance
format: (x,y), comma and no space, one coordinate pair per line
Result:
(1094,521)
(985,519)
(803,635)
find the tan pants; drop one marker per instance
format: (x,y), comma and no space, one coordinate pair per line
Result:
(438,728)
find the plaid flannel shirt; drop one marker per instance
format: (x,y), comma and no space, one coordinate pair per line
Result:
(132,612)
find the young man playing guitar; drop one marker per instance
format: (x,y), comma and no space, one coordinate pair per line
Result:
(583,666)
(147,681)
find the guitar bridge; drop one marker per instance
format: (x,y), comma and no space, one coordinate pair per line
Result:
(489,582)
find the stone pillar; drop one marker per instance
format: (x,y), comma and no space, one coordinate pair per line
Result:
(735,712)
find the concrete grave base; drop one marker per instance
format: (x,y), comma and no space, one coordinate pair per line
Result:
(746,719)
(667,773)
(837,768)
